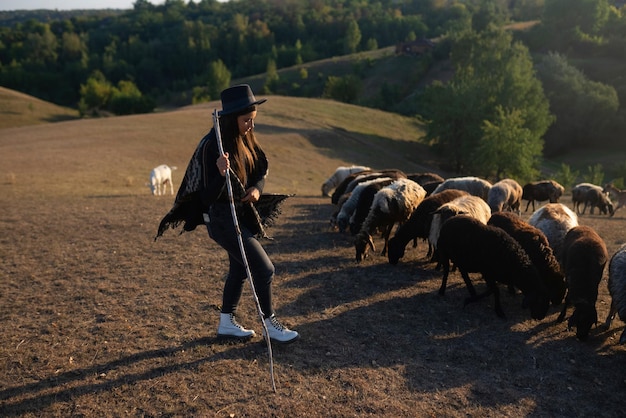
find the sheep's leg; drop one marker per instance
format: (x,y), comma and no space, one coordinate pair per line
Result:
(480,296)
(444,280)
(619,205)
(468,283)
(496,299)
(563,311)
(610,316)
(386,235)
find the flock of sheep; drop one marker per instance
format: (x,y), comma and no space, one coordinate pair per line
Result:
(475,226)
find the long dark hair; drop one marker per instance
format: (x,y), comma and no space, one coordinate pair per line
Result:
(242,150)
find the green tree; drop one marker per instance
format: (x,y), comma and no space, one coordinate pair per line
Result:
(95,94)
(126,99)
(583,108)
(41,47)
(565,176)
(344,89)
(594,174)
(218,78)
(491,72)
(352,37)
(271,76)
(564,16)
(507,148)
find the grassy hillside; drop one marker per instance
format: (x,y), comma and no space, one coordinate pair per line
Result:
(305,139)
(18,109)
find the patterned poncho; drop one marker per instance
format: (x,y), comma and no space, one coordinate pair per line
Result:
(202,185)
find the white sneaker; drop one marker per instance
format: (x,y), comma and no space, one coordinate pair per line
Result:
(229,327)
(278,332)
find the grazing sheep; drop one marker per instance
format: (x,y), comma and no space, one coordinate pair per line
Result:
(593,195)
(583,260)
(160,177)
(364,204)
(617,289)
(471,205)
(598,199)
(418,224)
(392,204)
(619,195)
(338,176)
(474,247)
(579,195)
(536,245)
(350,182)
(354,201)
(541,191)
(554,220)
(505,195)
(473,185)
(424,178)
(341,187)
(431,186)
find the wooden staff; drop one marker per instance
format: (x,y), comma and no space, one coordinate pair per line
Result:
(233,210)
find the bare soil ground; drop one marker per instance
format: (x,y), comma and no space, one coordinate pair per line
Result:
(97,319)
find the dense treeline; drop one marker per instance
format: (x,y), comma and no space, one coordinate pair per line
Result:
(557,85)
(171,47)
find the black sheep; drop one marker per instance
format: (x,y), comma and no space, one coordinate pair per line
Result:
(418,225)
(474,247)
(584,256)
(364,203)
(541,191)
(350,182)
(538,249)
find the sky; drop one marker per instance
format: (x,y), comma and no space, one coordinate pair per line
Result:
(69,4)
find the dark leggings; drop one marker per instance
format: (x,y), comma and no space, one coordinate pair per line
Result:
(222,230)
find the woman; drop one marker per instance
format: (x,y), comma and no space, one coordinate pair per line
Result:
(203,198)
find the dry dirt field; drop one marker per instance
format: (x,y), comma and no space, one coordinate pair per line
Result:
(97,319)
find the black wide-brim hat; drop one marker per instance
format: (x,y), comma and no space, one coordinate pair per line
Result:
(238,98)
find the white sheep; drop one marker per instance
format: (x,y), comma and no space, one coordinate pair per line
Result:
(505,195)
(617,289)
(554,220)
(160,177)
(473,185)
(392,204)
(338,176)
(471,205)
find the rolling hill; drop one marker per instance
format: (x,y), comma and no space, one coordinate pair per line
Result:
(19,109)
(305,139)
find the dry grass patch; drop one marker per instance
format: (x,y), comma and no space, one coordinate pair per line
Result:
(99,320)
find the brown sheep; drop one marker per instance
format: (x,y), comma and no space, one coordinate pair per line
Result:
(541,191)
(584,256)
(536,245)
